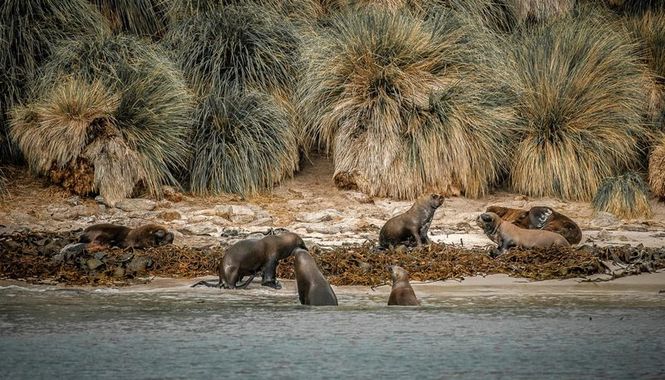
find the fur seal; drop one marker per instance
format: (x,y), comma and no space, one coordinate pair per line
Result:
(313,288)
(250,256)
(508,235)
(113,235)
(402,292)
(541,218)
(411,226)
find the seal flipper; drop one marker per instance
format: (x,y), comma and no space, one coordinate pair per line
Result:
(246,283)
(539,216)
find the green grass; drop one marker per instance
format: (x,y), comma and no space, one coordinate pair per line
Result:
(243,143)
(625,196)
(138,139)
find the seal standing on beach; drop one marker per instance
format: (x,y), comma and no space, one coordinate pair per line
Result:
(508,235)
(402,292)
(248,257)
(149,235)
(411,226)
(313,288)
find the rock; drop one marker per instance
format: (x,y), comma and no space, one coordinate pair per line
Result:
(100,255)
(119,272)
(163,204)
(317,216)
(359,197)
(265,221)
(169,215)
(200,229)
(230,232)
(74,201)
(136,204)
(604,219)
(242,214)
(323,228)
(93,264)
(71,251)
(139,265)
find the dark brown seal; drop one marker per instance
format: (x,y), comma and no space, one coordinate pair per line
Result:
(113,235)
(313,288)
(411,227)
(248,257)
(508,235)
(541,218)
(402,292)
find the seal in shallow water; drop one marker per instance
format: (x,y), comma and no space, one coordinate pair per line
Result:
(508,235)
(250,256)
(402,292)
(541,218)
(412,226)
(313,288)
(113,235)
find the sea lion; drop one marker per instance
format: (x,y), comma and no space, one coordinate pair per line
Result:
(113,235)
(313,288)
(411,226)
(402,292)
(541,218)
(508,235)
(250,256)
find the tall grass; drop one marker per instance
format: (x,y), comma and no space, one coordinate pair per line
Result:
(295,10)
(236,47)
(145,18)
(405,105)
(581,100)
(243,143)
(113,104)
(28,31)
(657,169)
(625,196)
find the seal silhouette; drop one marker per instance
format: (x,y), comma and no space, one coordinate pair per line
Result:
(250,256)
(508,235)
(113,235)
(313,288)
(411,226)
(402,293)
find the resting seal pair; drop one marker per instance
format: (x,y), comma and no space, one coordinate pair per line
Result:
(411,227)
(113,235)
(540,218)
(508,235)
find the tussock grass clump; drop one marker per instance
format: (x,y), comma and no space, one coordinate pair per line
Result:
(243,143)
(113,107)
(581,100)
(145,18)
(295,10)
(657,169)
(405,105)
(625,196)
(28,31)
(236,47)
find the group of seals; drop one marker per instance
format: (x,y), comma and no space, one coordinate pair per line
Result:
(508,235)
(113,235)
(540,218)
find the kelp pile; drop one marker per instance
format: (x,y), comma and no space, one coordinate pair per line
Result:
(49,257)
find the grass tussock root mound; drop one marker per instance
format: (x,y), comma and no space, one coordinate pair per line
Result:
(28,31)
(581,101)
(405,105)
(236,47)
(626,196)
(243,142)
(109,109)
(146,18)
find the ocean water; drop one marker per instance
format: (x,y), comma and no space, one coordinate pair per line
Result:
(208,333)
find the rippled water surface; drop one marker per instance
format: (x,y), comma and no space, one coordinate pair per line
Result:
(182,333)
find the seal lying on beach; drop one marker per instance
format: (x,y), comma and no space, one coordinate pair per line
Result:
(541,218)
(251,256)
(412,226)
(113,235)
(313,288)
(402,292)
(508,235)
